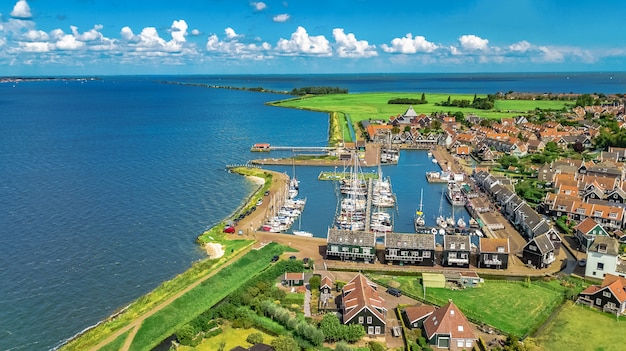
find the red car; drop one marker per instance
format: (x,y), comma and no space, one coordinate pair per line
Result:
(229,229)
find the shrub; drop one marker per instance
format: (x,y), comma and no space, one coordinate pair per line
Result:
(342,346)
(314,282)
(255,338)
(375,346)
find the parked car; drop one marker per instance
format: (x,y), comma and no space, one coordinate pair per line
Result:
(292,257)
(260,202)
(229,229)
(394,292)
(275,258)
(267,192)
(582,262)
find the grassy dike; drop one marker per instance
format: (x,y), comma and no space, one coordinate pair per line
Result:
(209,292)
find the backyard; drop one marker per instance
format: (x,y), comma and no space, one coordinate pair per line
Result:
(513,307)
(577,327)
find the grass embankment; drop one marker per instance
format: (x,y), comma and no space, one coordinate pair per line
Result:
(364,106)
(163,292)
(511,306)
(166,321)
(578,327)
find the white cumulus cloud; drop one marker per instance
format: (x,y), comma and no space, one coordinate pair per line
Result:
(521,46)
(21,10)
(230,33)
(69,42)
(179,31)
(34,47)
(301,43)
(410,45)
(473,42)
(195,32)
(259,6)
(282,18)
(347,45)
(90,35)
(36,35)
(233,46)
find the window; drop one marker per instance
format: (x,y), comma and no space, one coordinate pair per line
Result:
(600,266)
(377,330)
(393,252)
(469,343)
(606,294)
(599,301)
(360,319)
(369,320)
(460,343)
(370,330)
(355,250)
(426,254)
(366,250)
(334,248)
(532,247)
(345,249)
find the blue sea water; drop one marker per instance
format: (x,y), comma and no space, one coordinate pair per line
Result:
(104,185)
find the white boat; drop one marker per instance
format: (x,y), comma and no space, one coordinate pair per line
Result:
(430,154)
(419,215)
(461,223)
(441,220)
(302,233)
(434,160)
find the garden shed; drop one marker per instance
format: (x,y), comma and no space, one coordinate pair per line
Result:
(433,280)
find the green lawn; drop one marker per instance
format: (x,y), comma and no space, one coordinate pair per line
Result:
(165,322)
(578,327)
(512,307)
(232,337)
(365,106)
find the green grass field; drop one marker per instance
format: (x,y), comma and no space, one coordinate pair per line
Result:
(578,327)
(364,106)
(165,322)
(231,337)
(509,306)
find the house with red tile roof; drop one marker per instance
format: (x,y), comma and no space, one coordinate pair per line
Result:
(414,316)
(610,296)
(448,328)
(293,279)
(362,305)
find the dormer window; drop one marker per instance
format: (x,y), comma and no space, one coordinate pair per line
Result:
(500,249)
(452,246)
(602,248)
(580,210)
(463,246)
(597,213)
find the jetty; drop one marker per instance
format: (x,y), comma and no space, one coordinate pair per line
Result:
(264,147)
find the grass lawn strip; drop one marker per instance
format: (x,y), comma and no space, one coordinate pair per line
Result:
(510,306)
(166,321)
(117,344)
(146,302)
(578,327)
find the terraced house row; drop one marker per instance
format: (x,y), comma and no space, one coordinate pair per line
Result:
(418,249)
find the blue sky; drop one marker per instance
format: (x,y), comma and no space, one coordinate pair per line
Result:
(99,37)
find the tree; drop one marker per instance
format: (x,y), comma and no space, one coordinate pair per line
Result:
(578,147)
(285,343)
(314,282)
(459,116)
(435,125)
(407,128)
(551,147)
(423,97)
(255,338)
(331,327)
(185,334)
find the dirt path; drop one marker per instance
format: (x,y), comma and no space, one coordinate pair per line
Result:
(136,324)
